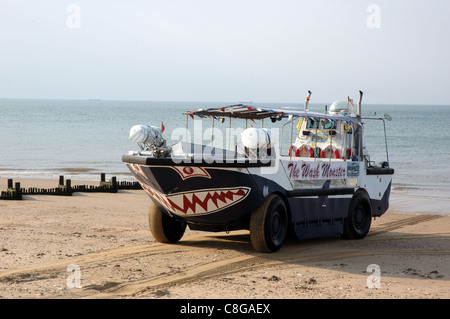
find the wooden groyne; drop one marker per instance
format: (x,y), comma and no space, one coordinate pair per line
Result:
(15,192)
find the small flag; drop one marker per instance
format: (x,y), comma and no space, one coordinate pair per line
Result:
(162,127)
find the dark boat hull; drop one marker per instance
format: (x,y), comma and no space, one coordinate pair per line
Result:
(212,197)
(222,196)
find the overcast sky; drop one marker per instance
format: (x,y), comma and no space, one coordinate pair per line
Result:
(396,51)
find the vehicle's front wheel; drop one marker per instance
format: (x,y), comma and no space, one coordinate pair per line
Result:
(359,217)
(164,228)
(268,225)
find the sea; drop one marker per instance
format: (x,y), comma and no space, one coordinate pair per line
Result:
(80,139)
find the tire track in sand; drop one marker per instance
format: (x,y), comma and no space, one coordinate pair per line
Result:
(250,260)
(383,228)
(245,263)
(292,253)
(91,260)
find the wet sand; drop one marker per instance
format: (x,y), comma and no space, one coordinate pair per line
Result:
(98,245)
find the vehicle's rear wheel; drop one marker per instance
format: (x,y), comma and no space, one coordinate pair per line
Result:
(359,217)
(164,228)
(268,225)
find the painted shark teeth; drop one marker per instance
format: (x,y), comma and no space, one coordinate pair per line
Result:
(201,202)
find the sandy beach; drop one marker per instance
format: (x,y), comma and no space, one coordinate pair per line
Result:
(98,245)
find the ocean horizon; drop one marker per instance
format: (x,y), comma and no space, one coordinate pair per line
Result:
(80,139)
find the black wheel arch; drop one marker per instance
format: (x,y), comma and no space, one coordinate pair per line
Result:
(358,221)
(365,193)
(286,203)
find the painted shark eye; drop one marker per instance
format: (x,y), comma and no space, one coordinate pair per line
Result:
(188,170)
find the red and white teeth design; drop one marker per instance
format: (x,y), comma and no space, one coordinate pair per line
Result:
(201,202)
(207,201)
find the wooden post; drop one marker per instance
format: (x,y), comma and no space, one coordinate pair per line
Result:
(61,180)
(18,191)
(114,184)
(69,187)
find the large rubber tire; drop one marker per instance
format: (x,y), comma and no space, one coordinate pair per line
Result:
(164,228)
(359,218)
(268,225)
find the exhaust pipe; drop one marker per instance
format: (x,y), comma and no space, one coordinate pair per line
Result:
(307,101)
(359,104)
